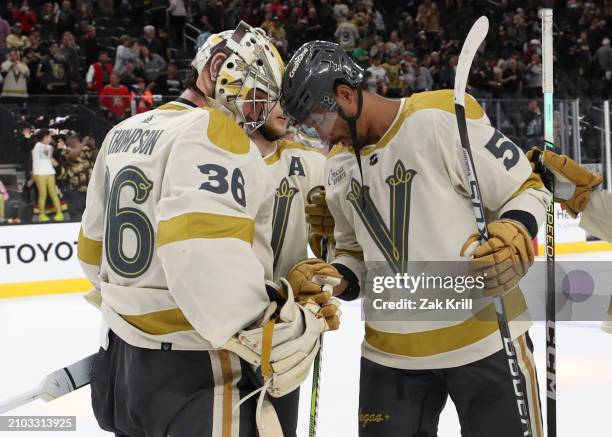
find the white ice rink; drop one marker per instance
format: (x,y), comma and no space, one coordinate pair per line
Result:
(41,334)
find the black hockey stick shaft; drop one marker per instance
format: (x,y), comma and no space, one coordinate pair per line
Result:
(551,351)
(474,39)
(316,369)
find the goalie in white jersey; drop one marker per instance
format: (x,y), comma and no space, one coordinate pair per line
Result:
(398,192)
(176,239)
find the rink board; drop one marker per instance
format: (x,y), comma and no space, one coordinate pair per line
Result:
(42,259)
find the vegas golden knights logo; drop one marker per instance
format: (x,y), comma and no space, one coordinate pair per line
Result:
(392,240)
(282,205)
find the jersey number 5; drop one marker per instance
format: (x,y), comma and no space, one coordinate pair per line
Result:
(499,149)
(120,219)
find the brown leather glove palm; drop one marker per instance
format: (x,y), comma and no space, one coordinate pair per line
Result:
(567,172)
(502,260)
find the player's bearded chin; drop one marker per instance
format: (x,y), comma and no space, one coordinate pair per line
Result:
(269,133)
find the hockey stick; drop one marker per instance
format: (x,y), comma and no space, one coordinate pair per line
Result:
(316,369)
(551,354)
(474,39)
(54,385)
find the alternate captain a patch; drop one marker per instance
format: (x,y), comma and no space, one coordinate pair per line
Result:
(296,168)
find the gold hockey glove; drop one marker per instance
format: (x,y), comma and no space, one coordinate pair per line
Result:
(573,182)
(319,218)
(314,279)
(502,260)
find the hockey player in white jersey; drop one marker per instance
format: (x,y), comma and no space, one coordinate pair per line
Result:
(176,240)
(397,189)
(576,191)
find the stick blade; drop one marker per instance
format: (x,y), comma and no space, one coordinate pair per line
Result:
(474,39)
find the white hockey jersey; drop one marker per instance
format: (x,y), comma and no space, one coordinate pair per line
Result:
(176,232)
(296,170)
(418,208)
(597,217)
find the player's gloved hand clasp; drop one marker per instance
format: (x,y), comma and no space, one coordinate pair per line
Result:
(319,218)
(573,183)
(502,260)
(313,280)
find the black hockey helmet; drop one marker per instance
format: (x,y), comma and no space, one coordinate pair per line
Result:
(310,77)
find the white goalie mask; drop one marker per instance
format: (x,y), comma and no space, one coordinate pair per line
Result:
(251,75)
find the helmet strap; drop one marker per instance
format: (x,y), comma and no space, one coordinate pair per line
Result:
(357,146)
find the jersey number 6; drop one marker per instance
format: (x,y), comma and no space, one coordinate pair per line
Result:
(119,219)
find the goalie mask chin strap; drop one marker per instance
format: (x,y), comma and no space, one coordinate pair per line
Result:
(357,146)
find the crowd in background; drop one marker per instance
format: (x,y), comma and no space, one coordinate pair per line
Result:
(89,47)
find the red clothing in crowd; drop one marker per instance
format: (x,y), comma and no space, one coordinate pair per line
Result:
(26,18)
(116,100)
(101,75)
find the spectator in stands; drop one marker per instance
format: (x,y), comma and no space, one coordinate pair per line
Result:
(66,19)
(361,54)
(98,74)
(78,159)
(25,16)
(54,72)
(447,73)
(15,75)
(150,39)
(152,63)
(4,196)
(346,34)
(512,79)
(533,77)
(278,35)
(5,31)
(141,97)
(129,75)
(128,51)
(428,17)
(70,51)
(90,46)
(48,20)
(178,18)
(602,59)
(84,17)
(534,125)
(423,80)
(167,84)
(394,72)
(17,40)
(377,76)
(341,10)
(115,99)
(43,170)
(394,45)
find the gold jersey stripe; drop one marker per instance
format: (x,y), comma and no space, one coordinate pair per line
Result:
(286,145)
(532,386)
(533,181)
(438,341)
(204,225)
(441,99)
(225,133)
(160,322)
(228,380)
(172,107)
(357,254)
(89,251)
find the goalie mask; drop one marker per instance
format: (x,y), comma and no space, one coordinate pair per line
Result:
(249,80)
